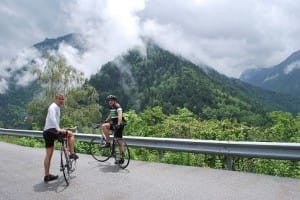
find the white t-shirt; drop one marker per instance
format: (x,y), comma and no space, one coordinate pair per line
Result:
(53,117)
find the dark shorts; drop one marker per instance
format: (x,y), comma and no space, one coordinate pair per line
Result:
(50,135)
(119,131)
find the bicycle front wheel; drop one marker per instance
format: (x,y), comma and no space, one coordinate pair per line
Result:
(65,164)
(97,151)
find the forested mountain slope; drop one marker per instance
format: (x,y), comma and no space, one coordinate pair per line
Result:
(160,78)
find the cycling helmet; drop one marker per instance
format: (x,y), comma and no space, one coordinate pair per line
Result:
(111,97)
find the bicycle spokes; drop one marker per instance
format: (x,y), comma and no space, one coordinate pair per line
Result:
(97,150)
(118,150)
(122,154)
(65,165)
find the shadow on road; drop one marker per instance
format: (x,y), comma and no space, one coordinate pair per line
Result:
(108,167)
(58,186)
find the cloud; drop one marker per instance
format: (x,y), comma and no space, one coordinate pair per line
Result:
(230,36)
(109,27)
(25,23)
(3,86)
(14,69)
(293,66)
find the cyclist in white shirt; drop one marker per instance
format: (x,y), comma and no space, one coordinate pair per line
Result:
(51,132)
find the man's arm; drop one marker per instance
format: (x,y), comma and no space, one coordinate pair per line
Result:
(108,118)
(120,113)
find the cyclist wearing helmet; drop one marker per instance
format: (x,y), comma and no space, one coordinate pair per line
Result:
(114,121)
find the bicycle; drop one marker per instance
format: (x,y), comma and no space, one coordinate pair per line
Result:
(102,154)
(67,164)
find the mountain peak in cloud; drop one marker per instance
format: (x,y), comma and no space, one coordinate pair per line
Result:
(74,39)
(282,78)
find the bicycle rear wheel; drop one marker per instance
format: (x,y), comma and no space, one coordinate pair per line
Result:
(99,153)
(123,159)
(65,164)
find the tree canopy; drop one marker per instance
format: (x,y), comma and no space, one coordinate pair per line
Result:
(81,105)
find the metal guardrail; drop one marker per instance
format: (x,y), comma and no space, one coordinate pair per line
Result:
(268,150)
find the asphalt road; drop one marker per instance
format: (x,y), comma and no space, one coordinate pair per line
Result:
(21,177)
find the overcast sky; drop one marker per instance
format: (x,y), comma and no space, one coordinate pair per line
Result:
(228,35)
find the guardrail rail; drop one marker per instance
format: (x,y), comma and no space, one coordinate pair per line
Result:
(268,150)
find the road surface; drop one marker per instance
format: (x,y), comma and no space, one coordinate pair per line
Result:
(21,177)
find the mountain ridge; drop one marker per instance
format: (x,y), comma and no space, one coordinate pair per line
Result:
(282,78)
(173,82)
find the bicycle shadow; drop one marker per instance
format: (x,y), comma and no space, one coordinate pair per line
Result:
(57,186)
(108,167)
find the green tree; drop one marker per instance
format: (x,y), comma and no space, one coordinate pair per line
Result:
(283,128)
(81,99)
(81,108)
(58,76)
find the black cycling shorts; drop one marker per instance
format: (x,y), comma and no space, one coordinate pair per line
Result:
(50,135)
(119,131)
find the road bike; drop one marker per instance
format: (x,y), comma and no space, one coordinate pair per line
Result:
(115,150)
(67,164)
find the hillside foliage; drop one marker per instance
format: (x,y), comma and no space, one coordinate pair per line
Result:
(160,78)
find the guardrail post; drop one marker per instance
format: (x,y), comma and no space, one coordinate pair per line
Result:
(229,162)
(161,154)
